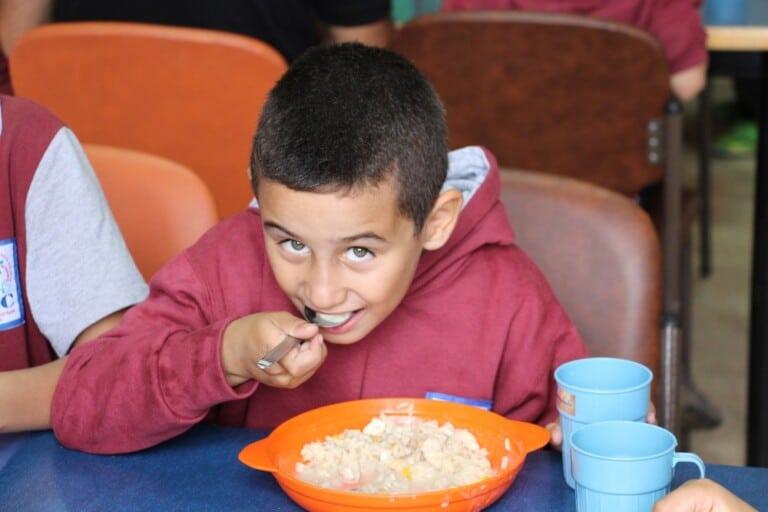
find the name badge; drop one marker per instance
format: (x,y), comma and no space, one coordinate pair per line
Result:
(11,303)
(444,397)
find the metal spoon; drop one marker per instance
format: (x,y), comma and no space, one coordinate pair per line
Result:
(312,317)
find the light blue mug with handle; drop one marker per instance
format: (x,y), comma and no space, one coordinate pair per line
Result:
(599,389)
(624,466)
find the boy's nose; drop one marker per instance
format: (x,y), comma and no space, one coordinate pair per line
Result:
(324,291)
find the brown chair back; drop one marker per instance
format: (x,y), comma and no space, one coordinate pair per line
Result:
(554,93)
(193,96)
(601,255)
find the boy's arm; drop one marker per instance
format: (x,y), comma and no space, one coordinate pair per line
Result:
(150,379)
(26,394)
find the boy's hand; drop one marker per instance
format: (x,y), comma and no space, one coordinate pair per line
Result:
(701,495)
(651,416)
(248,339)
(556,435)
(556,432)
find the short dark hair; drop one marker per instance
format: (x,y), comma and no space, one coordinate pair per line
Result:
(347,116)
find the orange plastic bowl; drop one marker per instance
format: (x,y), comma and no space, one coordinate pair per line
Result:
(279,452)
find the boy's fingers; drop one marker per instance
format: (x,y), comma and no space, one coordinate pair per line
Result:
(275,369)
(651,416)
(283,380)
(287,379)
(300,328)
(300,359)
(307,358)
(557,434)
(296,366)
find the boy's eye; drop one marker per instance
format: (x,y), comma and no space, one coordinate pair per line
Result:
(294,247)
(359,254)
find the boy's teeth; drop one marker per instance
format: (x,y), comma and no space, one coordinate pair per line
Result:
(326,320)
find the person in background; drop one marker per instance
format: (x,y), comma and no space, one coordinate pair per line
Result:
(675,23)
(65,273)
(701,495)
(290,26)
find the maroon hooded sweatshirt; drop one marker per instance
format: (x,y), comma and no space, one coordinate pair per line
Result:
(479,321)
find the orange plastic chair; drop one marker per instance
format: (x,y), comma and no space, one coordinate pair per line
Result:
(160,206)
(193,96)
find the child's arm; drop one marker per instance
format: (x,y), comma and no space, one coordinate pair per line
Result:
(25,395)
(165,366)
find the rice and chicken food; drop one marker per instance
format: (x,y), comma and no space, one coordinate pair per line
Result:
(395,454)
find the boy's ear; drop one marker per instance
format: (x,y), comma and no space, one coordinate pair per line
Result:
(442,219)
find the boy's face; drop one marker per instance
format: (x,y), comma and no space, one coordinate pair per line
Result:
(350,257)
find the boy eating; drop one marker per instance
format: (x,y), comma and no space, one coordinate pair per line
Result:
(401,255)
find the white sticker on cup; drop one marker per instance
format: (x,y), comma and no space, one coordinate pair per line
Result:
(566,402)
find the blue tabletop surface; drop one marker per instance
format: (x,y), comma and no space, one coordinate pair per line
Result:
(736,12)
(200,471)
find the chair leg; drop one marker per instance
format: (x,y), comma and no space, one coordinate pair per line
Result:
(670,243)
(696,410)
(704,135)
(686,324)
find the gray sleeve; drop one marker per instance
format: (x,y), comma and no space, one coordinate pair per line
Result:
(78,267)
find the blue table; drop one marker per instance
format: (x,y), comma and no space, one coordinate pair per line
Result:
(200,471)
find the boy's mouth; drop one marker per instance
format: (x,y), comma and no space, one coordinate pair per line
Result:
(325,319)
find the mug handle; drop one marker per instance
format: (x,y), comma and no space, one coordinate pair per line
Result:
(689,457)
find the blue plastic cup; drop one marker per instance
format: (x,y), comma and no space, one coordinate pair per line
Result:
(599,389)
(624,466)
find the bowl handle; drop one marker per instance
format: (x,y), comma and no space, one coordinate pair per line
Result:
(256,455)
(533,436)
